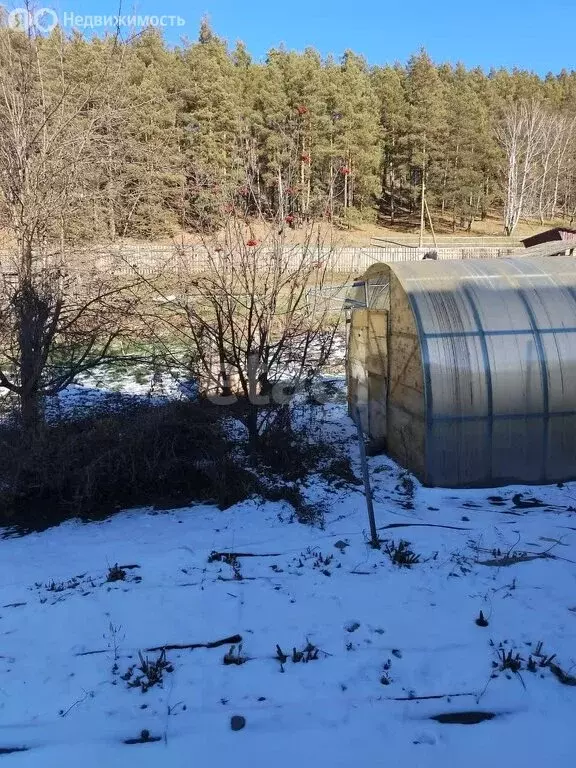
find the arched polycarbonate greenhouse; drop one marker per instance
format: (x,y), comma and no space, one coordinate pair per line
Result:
(465,371)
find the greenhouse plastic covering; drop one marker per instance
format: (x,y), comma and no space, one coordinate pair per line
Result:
(498,343)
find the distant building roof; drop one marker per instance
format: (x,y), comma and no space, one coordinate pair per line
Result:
(557,233)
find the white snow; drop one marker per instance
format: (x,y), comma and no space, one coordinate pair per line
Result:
(73,710)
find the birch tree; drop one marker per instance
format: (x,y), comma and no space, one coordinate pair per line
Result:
(521,136)
(566,132)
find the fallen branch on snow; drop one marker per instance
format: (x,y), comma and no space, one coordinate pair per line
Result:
(177,647)
(425,698)
(422,525)
(218,556)
(191,646)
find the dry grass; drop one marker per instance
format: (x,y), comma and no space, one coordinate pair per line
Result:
(362,234)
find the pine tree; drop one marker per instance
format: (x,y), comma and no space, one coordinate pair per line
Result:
(427,126)
(188,134)
(271,128)
(152,169)
(465,155)
(356,134)
(297,82)
(389,86)
(209,120)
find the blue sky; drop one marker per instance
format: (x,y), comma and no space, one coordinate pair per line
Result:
(509,33)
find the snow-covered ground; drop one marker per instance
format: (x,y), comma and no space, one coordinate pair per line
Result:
(389,647)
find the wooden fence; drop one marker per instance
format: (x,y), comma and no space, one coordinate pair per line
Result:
(359,259)
(149,260)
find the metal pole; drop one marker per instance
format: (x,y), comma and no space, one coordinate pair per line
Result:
(431,225)
(374,540)
(422,215)
(423,201)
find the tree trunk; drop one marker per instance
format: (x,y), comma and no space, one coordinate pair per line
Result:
(252,427)
(281,210)
(31,412)
(32,312)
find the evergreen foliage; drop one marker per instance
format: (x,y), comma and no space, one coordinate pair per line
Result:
(195,131)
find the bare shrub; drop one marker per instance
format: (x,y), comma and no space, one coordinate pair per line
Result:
(167,455)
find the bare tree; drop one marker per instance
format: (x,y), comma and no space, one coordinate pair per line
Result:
(521,135)
(253,319)
(58,317)
(552,167)
(566,128)
(552,134)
